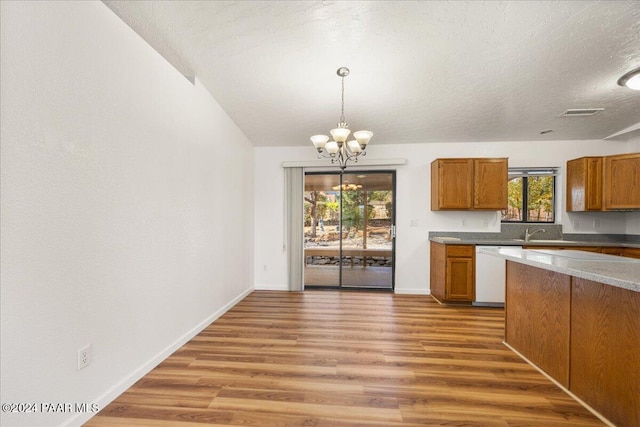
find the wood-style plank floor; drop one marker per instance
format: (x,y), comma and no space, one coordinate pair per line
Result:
(329,358)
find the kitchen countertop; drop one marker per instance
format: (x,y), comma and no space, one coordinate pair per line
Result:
(612,270)
(480,241)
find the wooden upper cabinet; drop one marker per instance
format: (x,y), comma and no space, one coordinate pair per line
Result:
(452,184)
(584,184)
(490,184)
(622,182)
(468,184)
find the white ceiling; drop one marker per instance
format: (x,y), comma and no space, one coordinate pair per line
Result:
(421,71)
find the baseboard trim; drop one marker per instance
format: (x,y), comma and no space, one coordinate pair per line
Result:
(404,291)
(412,291)
(488,304)
(115,391)
(271,288)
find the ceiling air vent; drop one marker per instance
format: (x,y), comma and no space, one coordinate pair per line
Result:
(579,112)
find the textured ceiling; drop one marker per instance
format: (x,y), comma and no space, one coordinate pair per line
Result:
(421,71)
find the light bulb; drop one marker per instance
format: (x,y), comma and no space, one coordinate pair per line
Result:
(363,137)
(332,148)
(634,82)
(354,146)
(340,134)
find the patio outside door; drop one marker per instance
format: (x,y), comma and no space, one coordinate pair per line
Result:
(349,230)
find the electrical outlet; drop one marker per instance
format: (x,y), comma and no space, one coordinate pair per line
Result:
(596,223)
(576,223)
(463,222)
(84,357)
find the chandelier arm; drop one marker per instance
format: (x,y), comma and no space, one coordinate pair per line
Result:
(325,155)
(347,150)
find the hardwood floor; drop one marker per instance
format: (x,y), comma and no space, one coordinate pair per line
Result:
(328,358)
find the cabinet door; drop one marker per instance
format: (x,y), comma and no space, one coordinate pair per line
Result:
(604,360)
(490,184)
(437,274)
(537,317)
(622,182)
(584,184)
(460,275)
(451,184)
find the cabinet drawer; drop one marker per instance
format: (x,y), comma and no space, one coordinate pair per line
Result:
(460,250)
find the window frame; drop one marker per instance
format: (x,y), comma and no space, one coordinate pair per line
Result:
(524,174)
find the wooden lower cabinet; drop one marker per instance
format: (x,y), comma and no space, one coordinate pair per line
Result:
(536,304)
(452,273)
(605,350)
(631,252)
(584,334)
(459,283)
(612,251)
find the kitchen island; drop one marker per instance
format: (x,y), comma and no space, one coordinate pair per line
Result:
(576,316)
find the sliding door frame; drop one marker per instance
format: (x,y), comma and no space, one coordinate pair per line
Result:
(341,285)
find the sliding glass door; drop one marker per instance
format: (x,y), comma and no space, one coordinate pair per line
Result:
(322,230)
(349,230)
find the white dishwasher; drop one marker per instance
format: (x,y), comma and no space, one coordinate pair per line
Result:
(490,278)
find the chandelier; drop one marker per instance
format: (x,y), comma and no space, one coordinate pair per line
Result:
(339,150)
(346,187)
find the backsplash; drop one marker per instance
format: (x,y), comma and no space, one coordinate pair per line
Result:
(551,232)
(516,231)
(507,232)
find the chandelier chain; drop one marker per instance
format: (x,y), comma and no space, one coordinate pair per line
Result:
(342,111)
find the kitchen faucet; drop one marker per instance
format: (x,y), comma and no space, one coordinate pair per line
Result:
(527,235)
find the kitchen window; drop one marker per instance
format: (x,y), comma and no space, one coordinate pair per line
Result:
(531,195)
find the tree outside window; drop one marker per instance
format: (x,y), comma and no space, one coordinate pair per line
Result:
(530,199)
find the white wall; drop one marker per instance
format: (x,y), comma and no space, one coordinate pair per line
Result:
(126,210)
(413,201)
